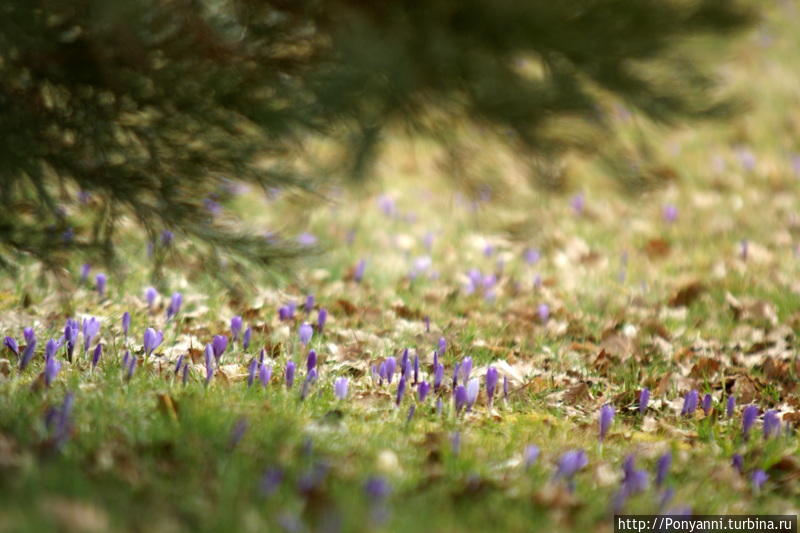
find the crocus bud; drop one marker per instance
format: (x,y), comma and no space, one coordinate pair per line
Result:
(209,358)
(460,398)
(322,317)
(401,389)
(236,327)
(126,323)
(689,403)
(264,375)
(530,456)
(100,281)
(473,388)
(391,364)
(305,332)
(12,345)
(749,415)
(150,294)
(730,406)
(98,352)
(358,274)
(218,345)
(174,305)
(466,369)
(248,334)
(311,360)
(251,371)
(438,376)
(644,399)
(152,340)
(707,404)
(290,366)
(309,305)
(422,391)
(340,388)
(772,424)
(51,369)
(492,377)
(662,468)
(606,419)
(27,355)
(544,312)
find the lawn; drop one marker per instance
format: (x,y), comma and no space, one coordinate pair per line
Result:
(579,300)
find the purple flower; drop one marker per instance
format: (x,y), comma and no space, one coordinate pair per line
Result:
(473,388)
(422,391)
(492,376)
(340,388)
(322,317)
(311,360)
(126,322)
(27,355)
(85,268)
(737,461)
(131,368)
(248,334)
(29,335)
(264,374)
(758,478)
(58,421)
(438,376)
(772,424)
(150,294)
(91,327)
(532,256)
(707,404)
(152,340)
(466,369)
(306,239)
(98,352)
(730,406)
(218,345)
(290,366)
(460,398)
(51,348)
(309,305)
(530,456)
(689,403)
(749,415)
(427,321)
(251,371)
(236,327)
(100,281)
(578,203)
(606,418)
(166,237)
(377,489)
(12,345)
(670,213)
(209,358)
(416,368)
(569,464)
(70,336)
(305,332)
(178,363)
(544,312)
(442,345)
(401,389)
(270,480)
(391,364)
(174,306)
(644,399)
(51,369)
(358,274)
(662,468)
(633,480)
(238,431)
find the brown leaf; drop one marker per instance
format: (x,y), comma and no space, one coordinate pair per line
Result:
(657,248)
(687,294)
(167,405)
(577,393)
(704,368)
(349,308)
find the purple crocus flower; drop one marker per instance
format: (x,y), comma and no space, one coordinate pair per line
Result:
(391,364)
(91,327)
(58,421)
(248,335)
(606,419)
(166,237)
(662,468)
(707,404)
(152,340)
(401,389)
(442,345)
(27,355)
(322,317)
(633,480)
(264,375)
(690,403)
(126,323)
(174,306)
(309,305)
(251,372)
(311,360)
(772,424)
(532,256)
(125,358)
(131,368)
(270,480)
(530,455)
(236,327)
(150,294)
(340,388)
(749,415)
(305,333)
(644,399)
(422,391)
(758,478)
(85,268)
(578,203)
(290,367)
(51,348)
(29,335)
(12,345)
(466,369)
(404,366)
(460,398)
(178,363)
(51,369)
(427,321)
(544,312)
(416,368)
(730,406)
(358,274)
(473,388)
(70,336)
(209,358)
(670,213)
(492,376)
(737,461)
(98,352)
(218,345)
(438,376)
(569,464)
(100,281)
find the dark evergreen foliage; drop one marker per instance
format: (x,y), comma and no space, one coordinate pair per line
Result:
(149,105)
